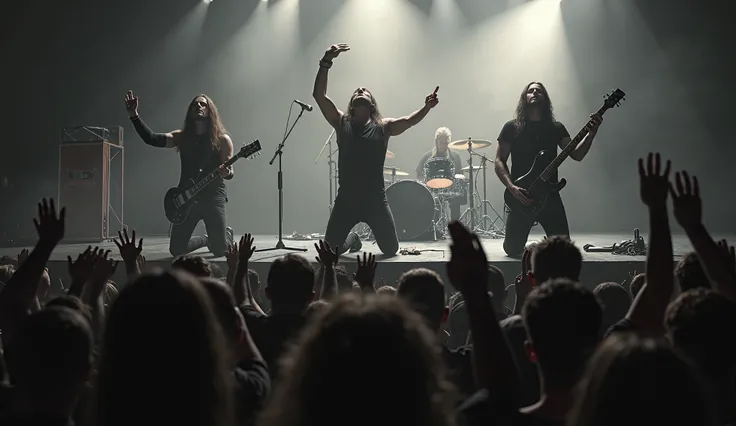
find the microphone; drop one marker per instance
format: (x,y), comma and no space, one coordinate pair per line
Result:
(303,105)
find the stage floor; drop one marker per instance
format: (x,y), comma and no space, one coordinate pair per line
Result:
(156,248)
(597,267)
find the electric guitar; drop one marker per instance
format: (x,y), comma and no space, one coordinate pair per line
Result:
(178,202)
(536,181)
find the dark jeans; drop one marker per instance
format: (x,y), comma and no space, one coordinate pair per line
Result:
(374,212)
(212,211)
(552,218)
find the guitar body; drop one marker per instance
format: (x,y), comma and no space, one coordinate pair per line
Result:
(176,204)
(539,192)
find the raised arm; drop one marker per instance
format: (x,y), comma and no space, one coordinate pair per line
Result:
(397,126)
(583,147)
(647,311)
(159,140)
(325,104)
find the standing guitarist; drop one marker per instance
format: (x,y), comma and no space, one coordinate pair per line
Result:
(532,130)
(203,146)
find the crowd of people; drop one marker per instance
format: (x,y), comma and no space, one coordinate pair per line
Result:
(193,345)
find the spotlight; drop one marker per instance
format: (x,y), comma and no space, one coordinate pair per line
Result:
(207,1)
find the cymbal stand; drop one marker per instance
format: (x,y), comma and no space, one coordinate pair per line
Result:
(471,191)
(487,226)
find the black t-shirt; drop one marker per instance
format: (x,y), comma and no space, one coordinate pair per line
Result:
(252,385)
(361,158)
(534,137)
(198,158)
(454,157)
(271,334)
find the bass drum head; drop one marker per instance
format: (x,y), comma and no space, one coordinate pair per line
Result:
(412,206)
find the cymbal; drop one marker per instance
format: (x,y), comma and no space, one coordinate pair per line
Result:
(390,171)
(463,144)
(390,155)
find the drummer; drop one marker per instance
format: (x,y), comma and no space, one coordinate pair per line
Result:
(442,138)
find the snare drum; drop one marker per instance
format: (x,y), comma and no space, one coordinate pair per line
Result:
(413,208)
(439,172)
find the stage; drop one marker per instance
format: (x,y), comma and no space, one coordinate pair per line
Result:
(597,267)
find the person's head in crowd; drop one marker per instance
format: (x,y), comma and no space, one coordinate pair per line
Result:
(290,284)
(49,361)
(699,324)
(640,382)
(344,280)
(331,371)
(497,288)
(424,291)
(387,290)
(636,284)
(223,304)
(6,272)
(616,302)
(563,320)
(689,273)
(162,338)
(315,308)
(72,302)
(195,265)
(556,257)
(217,272)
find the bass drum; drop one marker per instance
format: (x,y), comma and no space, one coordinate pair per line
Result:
(413,207)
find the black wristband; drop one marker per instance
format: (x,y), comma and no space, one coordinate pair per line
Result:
(324,63)
(137,117)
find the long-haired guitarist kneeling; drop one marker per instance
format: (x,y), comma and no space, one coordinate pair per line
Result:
(533,130)
(203,146)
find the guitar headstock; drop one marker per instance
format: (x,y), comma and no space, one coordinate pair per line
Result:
(249,150)
(613,99)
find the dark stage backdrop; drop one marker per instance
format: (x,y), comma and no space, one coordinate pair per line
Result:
(69,63)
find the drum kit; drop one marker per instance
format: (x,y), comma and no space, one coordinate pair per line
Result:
(421,210)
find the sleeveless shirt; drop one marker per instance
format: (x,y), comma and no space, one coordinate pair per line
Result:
(361,158)
(198,159)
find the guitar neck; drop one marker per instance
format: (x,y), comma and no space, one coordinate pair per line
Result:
(562,156)
(201,184)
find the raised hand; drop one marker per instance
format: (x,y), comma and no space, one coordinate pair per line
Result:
(688,208)
(653,182)
(432,100)
(50,228)
(103,268)
(232,256)
(325,255)
(468,265)
(246,248)
(22,256)
(335,50)
(131,104)
(366,271)
(524,280)
(128,250)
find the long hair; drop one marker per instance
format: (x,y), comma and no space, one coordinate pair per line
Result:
(638,382)
(442,131)
(216,130)
(355,346)
(375,111)
(162,339)
(522,108)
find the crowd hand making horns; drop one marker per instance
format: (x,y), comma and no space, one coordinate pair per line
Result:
(335,50)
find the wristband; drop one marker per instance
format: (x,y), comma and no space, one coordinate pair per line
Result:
(324,63)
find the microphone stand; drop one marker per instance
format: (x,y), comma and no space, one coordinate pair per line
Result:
(279,152)
(330,164)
